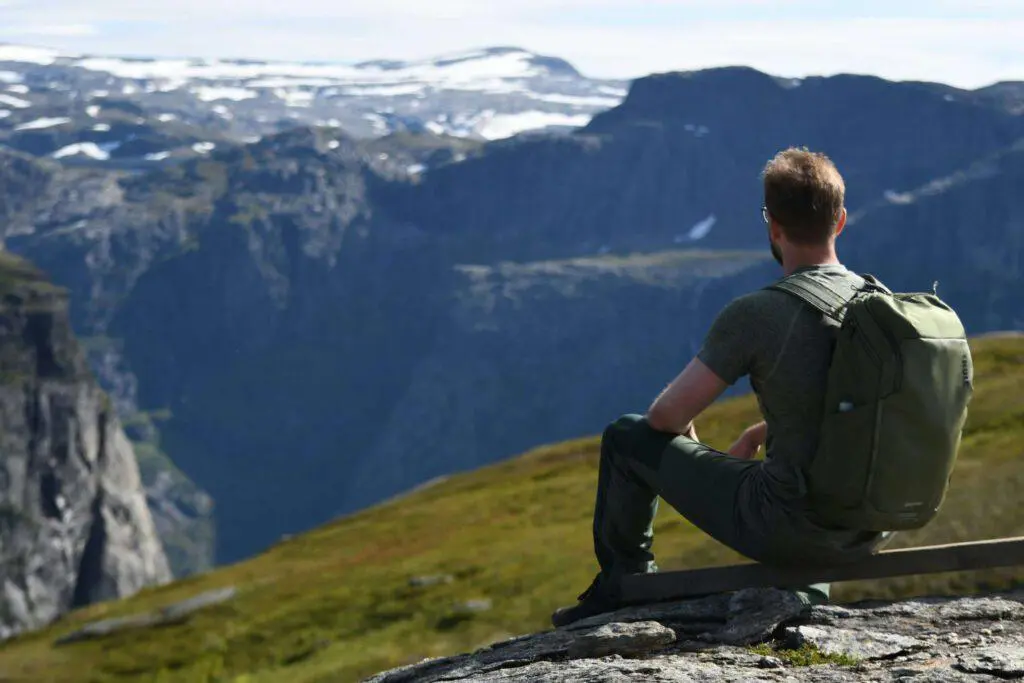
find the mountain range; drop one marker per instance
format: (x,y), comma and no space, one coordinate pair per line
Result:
(303,330)
(142,112)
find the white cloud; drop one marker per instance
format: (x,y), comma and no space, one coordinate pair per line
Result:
(359,10)
(49,30)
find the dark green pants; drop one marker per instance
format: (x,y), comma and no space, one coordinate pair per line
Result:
(724,496)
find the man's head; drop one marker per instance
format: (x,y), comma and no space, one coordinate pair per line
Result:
(803,197)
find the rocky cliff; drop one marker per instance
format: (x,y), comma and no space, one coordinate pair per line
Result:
(759,635)
(75,525)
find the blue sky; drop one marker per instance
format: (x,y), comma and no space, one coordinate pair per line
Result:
(963,43)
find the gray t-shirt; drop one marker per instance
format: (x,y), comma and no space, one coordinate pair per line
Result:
(784,346)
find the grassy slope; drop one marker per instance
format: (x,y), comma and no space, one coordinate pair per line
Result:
(335,604)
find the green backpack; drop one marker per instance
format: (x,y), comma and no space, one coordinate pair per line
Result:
(899,383)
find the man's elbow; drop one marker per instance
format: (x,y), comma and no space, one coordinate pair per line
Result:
(659,421)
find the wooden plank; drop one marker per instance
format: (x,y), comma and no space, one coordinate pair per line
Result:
(1006,552)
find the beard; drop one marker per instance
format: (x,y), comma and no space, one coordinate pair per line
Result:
(776,252)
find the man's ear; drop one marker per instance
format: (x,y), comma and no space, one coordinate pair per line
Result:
(842,223)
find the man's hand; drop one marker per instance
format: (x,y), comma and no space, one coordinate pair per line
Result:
(691,432)
(750,442)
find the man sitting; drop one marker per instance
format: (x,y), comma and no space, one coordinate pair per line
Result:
(758,508)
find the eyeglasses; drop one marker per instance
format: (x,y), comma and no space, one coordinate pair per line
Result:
(765,215)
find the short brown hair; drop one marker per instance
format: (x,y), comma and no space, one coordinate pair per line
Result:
(804,193)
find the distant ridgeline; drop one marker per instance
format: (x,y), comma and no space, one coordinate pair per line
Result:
(310,333)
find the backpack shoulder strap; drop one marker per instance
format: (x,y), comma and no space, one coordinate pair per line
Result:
(830,299)
(872,282)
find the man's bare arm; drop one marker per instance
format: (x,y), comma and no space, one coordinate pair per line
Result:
(689,394)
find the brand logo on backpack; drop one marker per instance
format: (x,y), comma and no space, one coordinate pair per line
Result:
(965,369)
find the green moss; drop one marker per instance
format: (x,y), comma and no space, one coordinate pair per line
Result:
(190,243)
(402,141)
(336,604)
(9,377)
(808,655)
(17,274)
(11,514)
(249,211)
(213,173)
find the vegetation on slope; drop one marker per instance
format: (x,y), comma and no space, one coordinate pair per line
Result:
(337,603)
(18,275)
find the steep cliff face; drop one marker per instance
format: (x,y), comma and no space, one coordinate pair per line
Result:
(76,529)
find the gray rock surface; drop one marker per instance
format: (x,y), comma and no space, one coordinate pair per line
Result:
(754,614)
(431,580)
(74,525)
(859,644)
(921,641)
(622,639)
(1004,661)
(172,613)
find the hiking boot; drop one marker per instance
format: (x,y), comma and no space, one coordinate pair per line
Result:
(597,599)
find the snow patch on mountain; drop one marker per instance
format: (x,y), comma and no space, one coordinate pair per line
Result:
(291,82)
(28,55)
(703,228)
(894,197)
(575,100)
(16,102)
(39,124)
(86,149)
(380,126)
(296,98)
(507,125)
(393,90)
(212,94)
(10,77)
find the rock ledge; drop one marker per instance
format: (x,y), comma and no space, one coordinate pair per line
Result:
(921,641)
